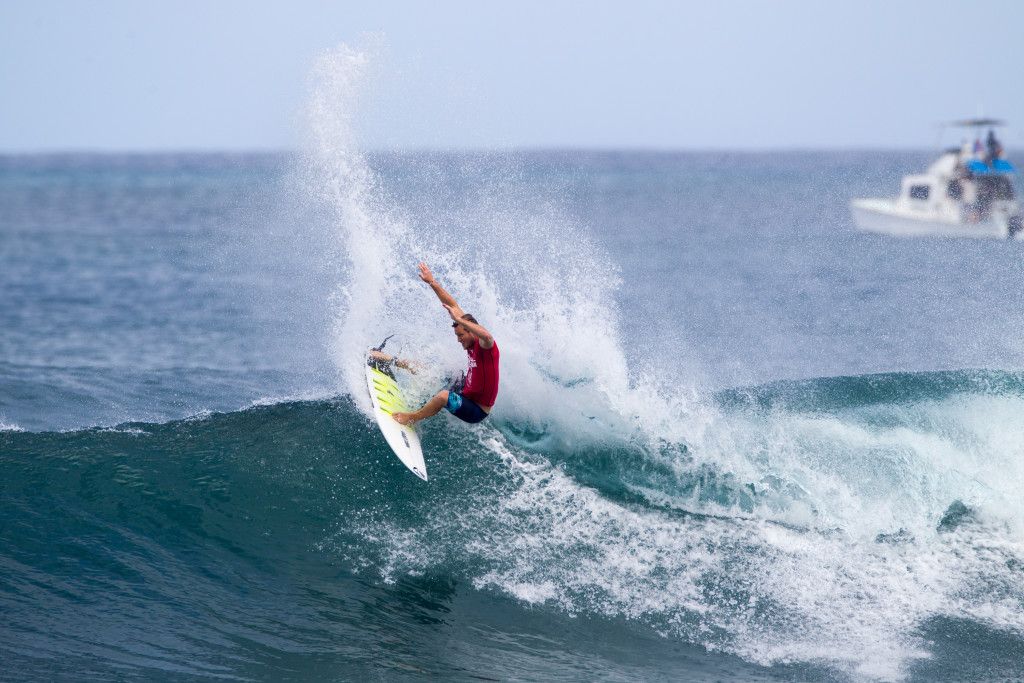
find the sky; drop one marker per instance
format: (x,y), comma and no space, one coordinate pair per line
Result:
(124,75)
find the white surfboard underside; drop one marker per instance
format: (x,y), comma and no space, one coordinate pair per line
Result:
(386,398)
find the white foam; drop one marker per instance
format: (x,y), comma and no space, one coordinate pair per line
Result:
(133,431)
(297,397)
(768,593)
(879,469)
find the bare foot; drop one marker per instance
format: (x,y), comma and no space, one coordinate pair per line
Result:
(402,418)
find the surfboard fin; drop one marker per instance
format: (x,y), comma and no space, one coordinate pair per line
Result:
(383,343)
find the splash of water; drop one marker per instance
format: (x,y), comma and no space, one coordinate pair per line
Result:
(527,270)
(820,540)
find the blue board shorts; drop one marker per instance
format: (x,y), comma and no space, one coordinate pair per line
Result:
(464,409)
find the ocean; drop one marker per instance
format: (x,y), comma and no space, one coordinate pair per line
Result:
(736,439)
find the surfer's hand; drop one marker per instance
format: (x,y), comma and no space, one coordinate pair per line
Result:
(454,311)
(378,355)
(402,418)
(425,274)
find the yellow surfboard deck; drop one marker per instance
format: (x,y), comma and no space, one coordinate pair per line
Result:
(387,398)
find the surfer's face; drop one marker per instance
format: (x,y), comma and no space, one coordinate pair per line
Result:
(465,338)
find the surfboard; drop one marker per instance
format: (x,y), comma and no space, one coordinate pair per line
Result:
(387,398)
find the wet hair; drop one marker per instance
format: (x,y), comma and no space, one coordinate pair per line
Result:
(466,316)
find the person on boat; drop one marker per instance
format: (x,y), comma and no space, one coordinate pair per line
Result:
(969,199)
(986,196)
(995,150)
(471,400)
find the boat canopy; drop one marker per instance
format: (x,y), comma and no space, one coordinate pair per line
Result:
(975,123)
(998,166)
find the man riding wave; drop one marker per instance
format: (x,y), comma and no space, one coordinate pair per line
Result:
(471,402)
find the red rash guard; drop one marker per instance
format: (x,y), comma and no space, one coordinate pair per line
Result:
(482,378)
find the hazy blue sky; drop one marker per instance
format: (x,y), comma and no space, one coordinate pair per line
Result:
(205,74)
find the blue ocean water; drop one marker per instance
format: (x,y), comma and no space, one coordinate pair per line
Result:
(735,439)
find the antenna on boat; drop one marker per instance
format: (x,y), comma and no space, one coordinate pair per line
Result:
(938,136)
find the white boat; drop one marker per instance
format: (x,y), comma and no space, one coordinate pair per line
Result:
(966,192)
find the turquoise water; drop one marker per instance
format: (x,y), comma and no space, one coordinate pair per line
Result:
(285,542)
(735,439)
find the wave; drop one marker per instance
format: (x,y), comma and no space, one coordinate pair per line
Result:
(183,515)
(827,521)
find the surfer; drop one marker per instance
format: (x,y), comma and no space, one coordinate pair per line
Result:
(473,400)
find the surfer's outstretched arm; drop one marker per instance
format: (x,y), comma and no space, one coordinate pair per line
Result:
(442,294)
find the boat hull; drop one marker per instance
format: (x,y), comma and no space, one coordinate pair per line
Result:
(885,217)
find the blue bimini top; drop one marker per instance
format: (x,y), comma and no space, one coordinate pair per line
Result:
(979,167)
